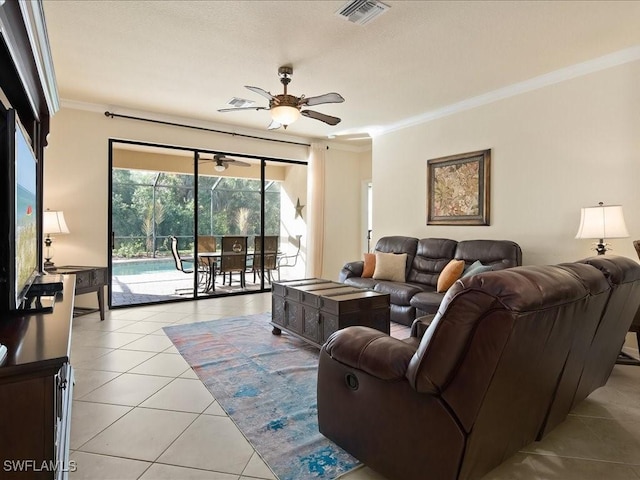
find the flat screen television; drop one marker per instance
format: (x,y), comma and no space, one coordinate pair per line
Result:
(20,242)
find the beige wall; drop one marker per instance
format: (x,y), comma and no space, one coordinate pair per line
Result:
(554,150)
(344,173)
(77,173)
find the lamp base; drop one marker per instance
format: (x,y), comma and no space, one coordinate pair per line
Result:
(48,265)
(601,247)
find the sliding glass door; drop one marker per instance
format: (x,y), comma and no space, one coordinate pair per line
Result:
(229,220)
(152,226)
(186,224)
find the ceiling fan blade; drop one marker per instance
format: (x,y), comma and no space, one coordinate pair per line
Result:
(274,125)
(326,98)
(225,161)
(260,91)
(321,116)
(238,163)
(236,109)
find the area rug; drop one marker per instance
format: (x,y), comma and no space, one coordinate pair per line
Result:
(267,385)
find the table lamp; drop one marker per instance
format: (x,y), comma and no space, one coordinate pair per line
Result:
(602,222)
(53,223)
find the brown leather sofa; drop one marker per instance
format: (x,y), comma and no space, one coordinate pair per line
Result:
(425,260)
(505,358)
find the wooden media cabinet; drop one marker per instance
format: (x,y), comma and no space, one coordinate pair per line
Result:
(36,387)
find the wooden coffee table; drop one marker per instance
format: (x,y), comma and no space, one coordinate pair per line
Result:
(313,308)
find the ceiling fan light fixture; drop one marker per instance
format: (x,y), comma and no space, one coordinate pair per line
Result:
(220,167)
(286,109)
(285,114)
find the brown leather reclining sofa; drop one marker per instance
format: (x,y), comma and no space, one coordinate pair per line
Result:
(425,260)
(507,356)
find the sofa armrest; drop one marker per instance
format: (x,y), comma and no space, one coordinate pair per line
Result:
(351,269)
(371,351)
(420,325)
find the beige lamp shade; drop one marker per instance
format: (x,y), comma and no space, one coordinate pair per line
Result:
(53,223)
(602,221)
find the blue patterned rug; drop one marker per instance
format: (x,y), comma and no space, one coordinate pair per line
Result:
(267,385)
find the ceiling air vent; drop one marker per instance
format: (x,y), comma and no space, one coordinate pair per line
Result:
(361,11)
(240,102)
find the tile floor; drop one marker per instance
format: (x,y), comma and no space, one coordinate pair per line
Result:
(139,411)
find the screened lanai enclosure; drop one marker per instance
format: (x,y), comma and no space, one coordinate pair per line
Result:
(183,225)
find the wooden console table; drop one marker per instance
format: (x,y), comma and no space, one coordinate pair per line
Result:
(88,279)
(36,388)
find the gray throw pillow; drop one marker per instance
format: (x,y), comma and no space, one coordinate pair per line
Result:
(475,268)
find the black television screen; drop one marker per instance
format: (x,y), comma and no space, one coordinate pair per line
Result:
(25,219)
(20,217)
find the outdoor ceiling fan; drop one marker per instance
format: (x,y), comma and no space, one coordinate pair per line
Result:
(222,162)
(286,109)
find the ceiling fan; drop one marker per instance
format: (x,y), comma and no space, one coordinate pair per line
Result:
(286,109)
(222,162)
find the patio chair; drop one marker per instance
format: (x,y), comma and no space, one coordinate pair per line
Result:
(180,261)
(207,243)
(177,258)
(207,246)
(270,254)
(233,258)
(288,260)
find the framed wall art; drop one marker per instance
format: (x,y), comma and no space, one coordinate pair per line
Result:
(458,189)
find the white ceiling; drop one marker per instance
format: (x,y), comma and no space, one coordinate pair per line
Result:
(189,58)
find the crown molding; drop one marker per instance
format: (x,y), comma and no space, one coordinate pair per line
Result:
(24,34)
(347,147)
(34,22)
(620,57)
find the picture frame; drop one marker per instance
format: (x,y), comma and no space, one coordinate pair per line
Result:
(458,189)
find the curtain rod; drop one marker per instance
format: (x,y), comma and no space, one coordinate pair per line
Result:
(113,115)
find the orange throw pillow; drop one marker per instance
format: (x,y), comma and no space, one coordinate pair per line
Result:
(369,265)
(450,273)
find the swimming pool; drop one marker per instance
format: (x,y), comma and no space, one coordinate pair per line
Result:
(141,267)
